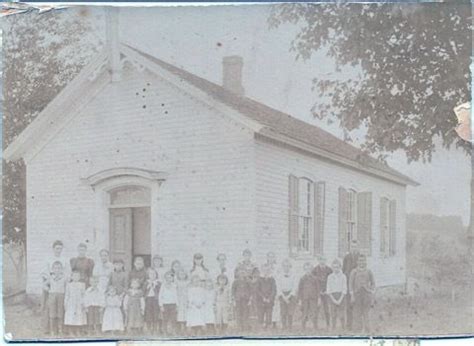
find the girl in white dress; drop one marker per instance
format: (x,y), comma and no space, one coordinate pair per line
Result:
(75,312)
(182,289)
(223,303)
(199,268)
(113,317)
(195,315)
(209,311)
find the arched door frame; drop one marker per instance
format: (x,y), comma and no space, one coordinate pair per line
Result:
(105,181)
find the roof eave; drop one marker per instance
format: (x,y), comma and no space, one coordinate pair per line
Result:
(268,133)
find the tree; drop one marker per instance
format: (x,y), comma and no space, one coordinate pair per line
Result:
(414,63)
(42,53)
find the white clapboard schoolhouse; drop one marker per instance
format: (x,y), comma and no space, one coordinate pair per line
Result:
(141,157)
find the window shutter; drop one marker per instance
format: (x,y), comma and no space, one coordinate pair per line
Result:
(293,215)
(364,221)
(393,227)
(383,222)
(342,241)
(319,209)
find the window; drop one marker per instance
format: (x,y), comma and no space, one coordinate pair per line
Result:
(306,215)
(387,227)
(130,196)
(355,220)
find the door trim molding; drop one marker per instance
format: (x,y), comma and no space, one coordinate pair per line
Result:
(104,181)
(124,173)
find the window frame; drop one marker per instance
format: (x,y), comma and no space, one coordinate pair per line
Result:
(306,219)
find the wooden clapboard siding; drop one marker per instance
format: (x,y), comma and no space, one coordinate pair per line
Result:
(274,165)
(226,190)
(206,202)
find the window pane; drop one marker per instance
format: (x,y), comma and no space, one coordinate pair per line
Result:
(305,197)
(130,195)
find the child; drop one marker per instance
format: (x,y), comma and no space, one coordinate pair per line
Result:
(254,298)
(55,301)
(182,290)
(168,299)
(103,270)
(56,256)
(152,308)
(321,271)
(75,314)
(361,290)
(138,272)
(158,265)
(348,264)
(175,268)
(246,265)
(241,299)
(266,292)
(82,264)
(209,306)
(196,305)
(134,307)
(113,318)
(308,295)
(119,278)
(222,303)
(199,268)
(336,291)
(221,265)
(94,302)
(271,261)
(287,295)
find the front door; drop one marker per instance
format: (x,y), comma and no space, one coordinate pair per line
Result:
(121,235)
(141,240)
(130,224)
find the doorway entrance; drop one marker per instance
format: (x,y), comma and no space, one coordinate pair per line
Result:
(130,224)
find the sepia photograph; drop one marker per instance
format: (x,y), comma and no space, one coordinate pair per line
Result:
(258,171)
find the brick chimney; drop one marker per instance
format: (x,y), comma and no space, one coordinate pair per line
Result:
(232,74)
(112,42)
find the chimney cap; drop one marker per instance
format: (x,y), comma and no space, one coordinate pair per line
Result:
(232,59)
(232,66)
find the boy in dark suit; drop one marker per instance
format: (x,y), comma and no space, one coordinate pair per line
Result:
(308,296)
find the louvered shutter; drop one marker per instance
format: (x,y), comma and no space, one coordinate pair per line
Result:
(364,221)
(383,223)
(293,215)
(342,241)
(319,209)
(393,227)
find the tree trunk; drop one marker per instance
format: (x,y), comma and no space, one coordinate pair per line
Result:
(471,222)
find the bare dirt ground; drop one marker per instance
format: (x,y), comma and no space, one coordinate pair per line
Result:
(394,314)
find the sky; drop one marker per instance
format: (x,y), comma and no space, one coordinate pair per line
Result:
(197,38)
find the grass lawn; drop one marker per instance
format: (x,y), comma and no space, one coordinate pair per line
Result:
(395,314)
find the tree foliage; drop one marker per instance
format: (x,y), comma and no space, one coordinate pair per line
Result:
(413,61)
(41,54)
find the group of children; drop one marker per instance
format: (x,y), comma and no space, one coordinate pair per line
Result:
(105,298)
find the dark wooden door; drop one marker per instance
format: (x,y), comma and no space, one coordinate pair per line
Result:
(121,235)
(141,225)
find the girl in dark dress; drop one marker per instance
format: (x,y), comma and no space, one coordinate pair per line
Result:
(82,264)
(152,308)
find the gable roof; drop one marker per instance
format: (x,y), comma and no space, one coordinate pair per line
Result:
(278,123)
(274,125)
